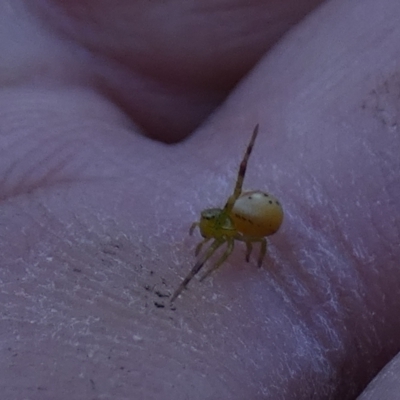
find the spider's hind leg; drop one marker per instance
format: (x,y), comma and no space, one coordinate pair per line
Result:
(263,251)
(249,249)
(249,246)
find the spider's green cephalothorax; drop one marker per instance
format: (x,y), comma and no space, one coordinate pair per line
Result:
(215,223)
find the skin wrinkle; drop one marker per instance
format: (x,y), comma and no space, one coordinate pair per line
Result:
(36,176)
(44,152)
(54,162)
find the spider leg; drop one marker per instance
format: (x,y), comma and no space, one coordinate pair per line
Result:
(199,264)
(263,251)
(228,251)
(249,249)
(249,241)
(193,227)
(242,172)
(200,245)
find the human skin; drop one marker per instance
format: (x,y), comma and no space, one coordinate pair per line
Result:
(95,214)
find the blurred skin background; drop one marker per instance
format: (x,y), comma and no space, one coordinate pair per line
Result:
(120,121)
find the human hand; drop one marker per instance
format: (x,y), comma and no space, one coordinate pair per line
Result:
(95,215)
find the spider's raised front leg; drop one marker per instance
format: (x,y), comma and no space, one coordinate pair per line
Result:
(242,172)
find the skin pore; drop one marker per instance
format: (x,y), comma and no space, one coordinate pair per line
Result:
(96,205)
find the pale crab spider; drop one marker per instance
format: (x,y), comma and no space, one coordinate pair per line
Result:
(247,217)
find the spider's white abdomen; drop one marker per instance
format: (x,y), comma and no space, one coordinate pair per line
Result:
(257,214)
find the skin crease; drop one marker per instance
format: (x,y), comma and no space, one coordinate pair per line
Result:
(94,215)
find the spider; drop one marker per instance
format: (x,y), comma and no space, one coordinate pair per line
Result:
(246,217)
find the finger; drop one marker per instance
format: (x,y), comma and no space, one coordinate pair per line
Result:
(328,148)
(167,64)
